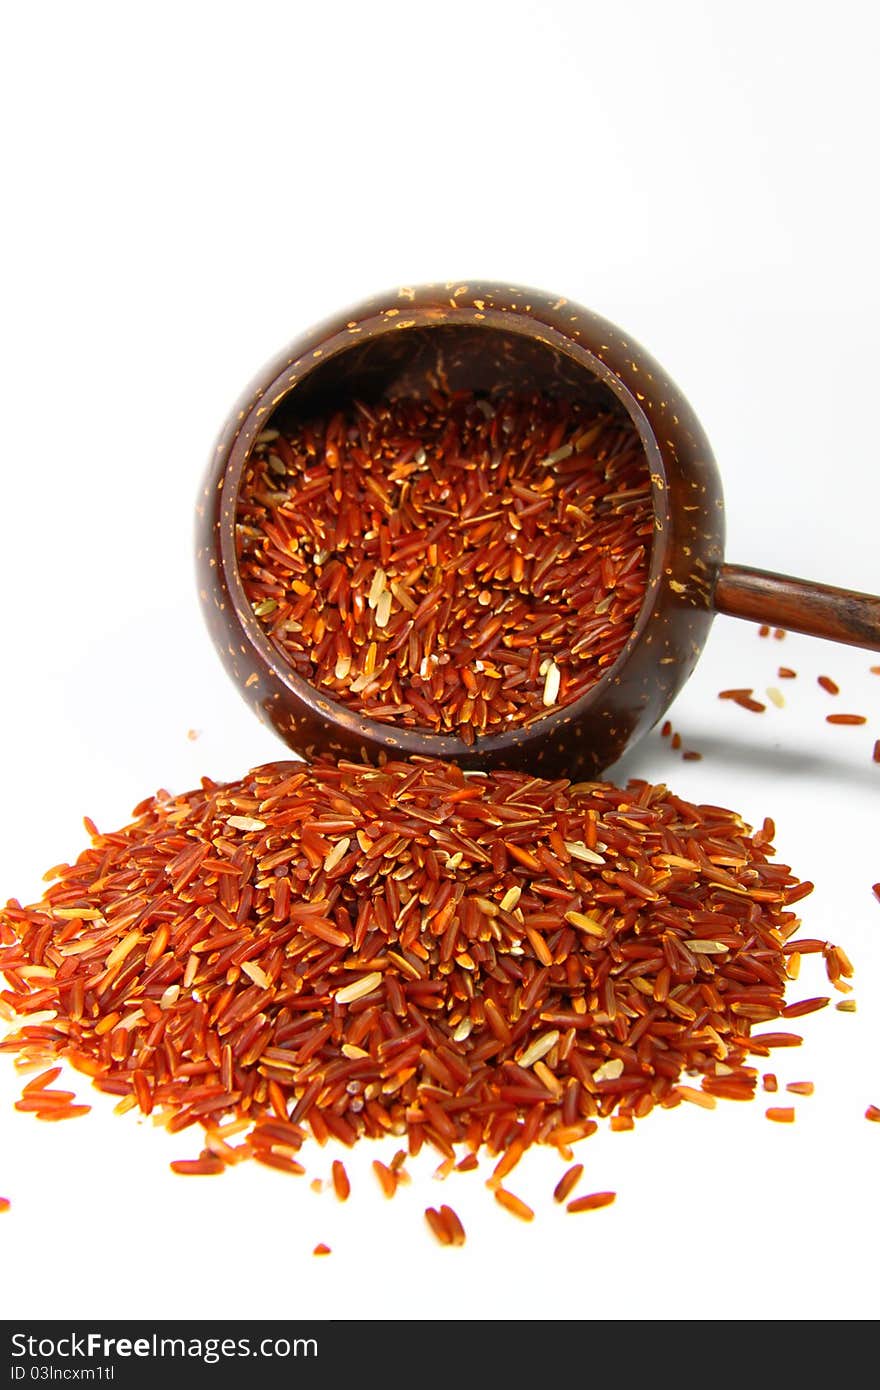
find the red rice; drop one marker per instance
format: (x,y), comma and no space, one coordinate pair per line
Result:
(845,719)
(782,1114)
(341,1184)
(438,1226)
(805,1006)
(41,1082)
(396,994)
(695,1097)
(828,684)
(743,698)
(760,1041)
(593,1202)
(453,1226)
(513,1204)
(461,564)
(387,1178)
(209,1165)
(568,1182)
(63,1112)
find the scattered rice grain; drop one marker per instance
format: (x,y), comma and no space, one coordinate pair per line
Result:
(592,1202)
(568,1182)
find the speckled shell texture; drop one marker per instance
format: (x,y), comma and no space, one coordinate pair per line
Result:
(485,334)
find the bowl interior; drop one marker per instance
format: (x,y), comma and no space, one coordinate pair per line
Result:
(483,358)
(461,357)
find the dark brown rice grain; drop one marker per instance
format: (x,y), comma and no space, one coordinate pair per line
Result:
(568,1182)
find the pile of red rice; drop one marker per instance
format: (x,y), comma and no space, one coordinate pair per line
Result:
(455,958)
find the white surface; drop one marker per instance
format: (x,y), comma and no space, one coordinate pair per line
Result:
(186,188)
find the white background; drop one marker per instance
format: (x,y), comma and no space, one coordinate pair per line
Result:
(185,188)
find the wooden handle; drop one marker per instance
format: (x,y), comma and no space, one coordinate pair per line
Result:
(841,615)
